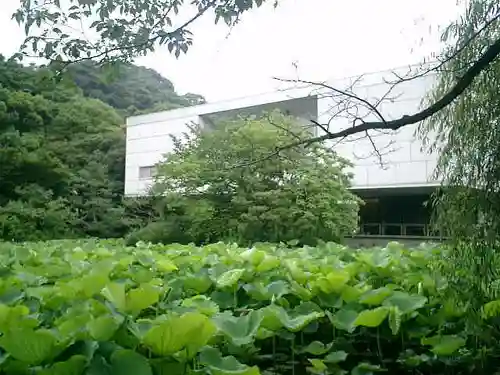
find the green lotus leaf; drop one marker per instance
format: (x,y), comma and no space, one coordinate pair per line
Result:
(29,346)
(240,330)
(351,293)
(276,316)
(138,299)
(344,319)
(103,327)
(202,304)
(218,365)
(395,319)
(268,263)
(375,297)
(190,331)
(318,366)
(128,362)
(230,278)
(73,366)
(366,369)
(371,318)
(317,348)
(406,303)
(444,345)
(336,357)
(198,283)
(115,293)
(253,256)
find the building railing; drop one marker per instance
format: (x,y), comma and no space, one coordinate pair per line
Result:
(399,230)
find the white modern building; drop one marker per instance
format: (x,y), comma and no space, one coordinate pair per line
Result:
(390,169)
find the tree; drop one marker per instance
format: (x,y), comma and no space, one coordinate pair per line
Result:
(124,29)
(300,195)
(62,152)
(468,142)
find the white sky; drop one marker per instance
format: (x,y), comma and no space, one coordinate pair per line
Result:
(325,38)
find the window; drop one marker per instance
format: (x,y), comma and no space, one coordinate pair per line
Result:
(146,173)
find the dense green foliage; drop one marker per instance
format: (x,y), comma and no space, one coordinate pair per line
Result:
(468,133)
(62,153)
(129,88)
(230,184)
(87,307)
(121,29)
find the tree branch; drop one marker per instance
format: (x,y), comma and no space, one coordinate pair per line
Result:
(461,85)
(492,53)
(448,58)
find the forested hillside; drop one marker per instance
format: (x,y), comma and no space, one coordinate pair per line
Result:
(129,88)
(62,147)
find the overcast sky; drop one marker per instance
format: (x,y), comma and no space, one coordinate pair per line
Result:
(324,38)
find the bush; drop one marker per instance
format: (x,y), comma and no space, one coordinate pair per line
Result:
(167,231)
(231,184)
(36,215)
(85,307)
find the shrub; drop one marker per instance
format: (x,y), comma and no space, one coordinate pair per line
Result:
(99,307)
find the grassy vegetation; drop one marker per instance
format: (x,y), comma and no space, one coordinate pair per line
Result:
(99,307)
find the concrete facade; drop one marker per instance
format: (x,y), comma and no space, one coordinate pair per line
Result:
(404,163)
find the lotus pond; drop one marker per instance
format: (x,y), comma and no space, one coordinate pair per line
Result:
(99,307)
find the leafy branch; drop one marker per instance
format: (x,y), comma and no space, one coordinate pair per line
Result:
(121,30)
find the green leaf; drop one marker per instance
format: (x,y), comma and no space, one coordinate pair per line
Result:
(73,366)
(29,346)
(141,298)
(375,297)
(406,303)
(296,272)
(394,319)
(229,278)
(371,318)
(317,348)
(336,357)
(344,319)
(94,283)
(444,345)
(264,333)
(253,256)
(115,293)
(491,309)
(165,265)
(366,369)
(268,263)
(201,303)
(218,365)
(12,316)
(190,331)
(103,327)
(277,289)
(351,293)
(334,282)
(276,317)
(318,365)
(198,283)
(98,366)
(125,362)
(240,330)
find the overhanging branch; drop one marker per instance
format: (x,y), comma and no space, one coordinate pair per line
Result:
(460,86)
(492,53)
